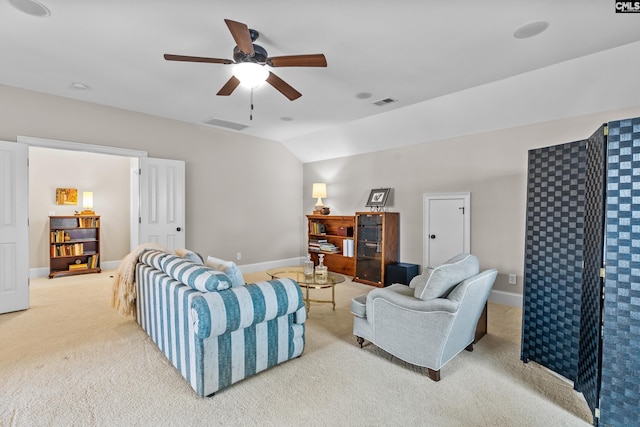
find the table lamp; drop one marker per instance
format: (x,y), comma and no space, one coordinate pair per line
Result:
(319,191)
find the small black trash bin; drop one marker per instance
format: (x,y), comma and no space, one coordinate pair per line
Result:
(400,272)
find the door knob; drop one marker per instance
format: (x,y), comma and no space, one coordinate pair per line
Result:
(433,236)
(178,229)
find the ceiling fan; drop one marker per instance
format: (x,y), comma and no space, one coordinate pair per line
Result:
(246,52)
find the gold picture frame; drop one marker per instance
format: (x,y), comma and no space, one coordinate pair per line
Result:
(66,196)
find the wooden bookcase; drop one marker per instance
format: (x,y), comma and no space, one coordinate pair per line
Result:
(333,230)
(376,245)
(74,245)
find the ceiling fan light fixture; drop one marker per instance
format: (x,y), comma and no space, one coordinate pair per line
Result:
(250,74)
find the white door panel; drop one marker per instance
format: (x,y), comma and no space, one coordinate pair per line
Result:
(14,227)
(446,226)
(162,202)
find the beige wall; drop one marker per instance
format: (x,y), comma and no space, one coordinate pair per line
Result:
(243,194)
(492,166)
(108,178)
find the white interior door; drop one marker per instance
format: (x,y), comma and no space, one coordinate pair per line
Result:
(14,227)
(447,227)
(162,202)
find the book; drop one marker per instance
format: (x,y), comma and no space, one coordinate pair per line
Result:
(73,267)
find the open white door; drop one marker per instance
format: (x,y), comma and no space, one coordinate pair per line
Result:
(14,227)
(162,202)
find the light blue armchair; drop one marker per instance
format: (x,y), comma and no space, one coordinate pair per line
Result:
(430,321)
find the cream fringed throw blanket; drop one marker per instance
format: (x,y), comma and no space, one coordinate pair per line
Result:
(123,298)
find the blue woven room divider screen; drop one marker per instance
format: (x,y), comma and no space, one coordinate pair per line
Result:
(583,203)
(553,257)
(620,389)
(589,352)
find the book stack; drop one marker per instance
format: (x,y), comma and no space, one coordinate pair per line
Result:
(315,244)
(89,222)
(347,247)
(74,249)
(317,228)
(329,247)
(92,261)
(322,245)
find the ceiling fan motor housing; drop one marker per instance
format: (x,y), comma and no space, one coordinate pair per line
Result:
(259,55)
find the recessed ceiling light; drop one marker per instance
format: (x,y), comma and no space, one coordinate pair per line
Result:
(363,95)
(79,86)
(531,29)
(31,7)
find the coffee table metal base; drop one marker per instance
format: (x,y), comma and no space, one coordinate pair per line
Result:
(309,282)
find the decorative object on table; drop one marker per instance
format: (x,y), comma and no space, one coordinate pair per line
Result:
(378,198)
(87,203)
(66,196)
(319,191)
(322,272)
(308,267)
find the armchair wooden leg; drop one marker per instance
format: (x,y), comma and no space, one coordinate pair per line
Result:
(360,341)
(469,347)
(434,375)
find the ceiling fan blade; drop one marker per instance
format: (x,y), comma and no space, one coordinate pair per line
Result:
(229,87)
(240,33)
(283,87)
(313,60)
(170,57)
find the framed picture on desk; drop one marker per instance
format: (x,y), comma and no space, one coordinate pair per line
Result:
(378,197)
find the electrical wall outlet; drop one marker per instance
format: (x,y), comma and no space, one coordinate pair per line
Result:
(238,256)
(512,279)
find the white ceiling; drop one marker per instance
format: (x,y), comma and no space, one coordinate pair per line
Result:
(454,67)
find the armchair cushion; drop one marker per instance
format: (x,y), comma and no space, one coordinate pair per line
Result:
(437,282)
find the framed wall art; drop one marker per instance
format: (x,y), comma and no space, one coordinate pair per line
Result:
(66,196)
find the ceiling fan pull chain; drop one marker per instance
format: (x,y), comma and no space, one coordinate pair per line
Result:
(251,110)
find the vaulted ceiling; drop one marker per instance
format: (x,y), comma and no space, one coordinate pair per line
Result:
(450,68)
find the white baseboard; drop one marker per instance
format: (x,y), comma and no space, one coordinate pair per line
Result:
(35,273)
(262,266)
(506,298)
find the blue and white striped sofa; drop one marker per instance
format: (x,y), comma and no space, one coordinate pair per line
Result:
(216,334)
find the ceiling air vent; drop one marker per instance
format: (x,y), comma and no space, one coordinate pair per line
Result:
(226,124)
(384,102)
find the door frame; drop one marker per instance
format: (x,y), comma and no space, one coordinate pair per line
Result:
(135,156)
(426,200)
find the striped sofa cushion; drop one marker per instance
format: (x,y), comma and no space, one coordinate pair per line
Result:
(197,276)
(240,307)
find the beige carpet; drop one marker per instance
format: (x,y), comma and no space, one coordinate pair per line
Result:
(70,360)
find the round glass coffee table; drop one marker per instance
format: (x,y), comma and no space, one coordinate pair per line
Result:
(308,282)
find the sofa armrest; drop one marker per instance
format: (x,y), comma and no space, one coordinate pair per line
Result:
(402,296)
(216,313)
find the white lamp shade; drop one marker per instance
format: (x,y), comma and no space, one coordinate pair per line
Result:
(250,74)
(87,199)
(319,190)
